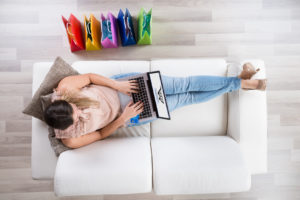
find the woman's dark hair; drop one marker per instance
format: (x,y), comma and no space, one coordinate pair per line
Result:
(59,114)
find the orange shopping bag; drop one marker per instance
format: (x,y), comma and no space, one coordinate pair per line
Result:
(92,33)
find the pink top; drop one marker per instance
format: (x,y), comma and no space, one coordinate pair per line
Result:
(92,119)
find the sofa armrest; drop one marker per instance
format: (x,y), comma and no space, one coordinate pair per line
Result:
(247,120)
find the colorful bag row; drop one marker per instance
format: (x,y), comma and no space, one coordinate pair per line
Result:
(108,31)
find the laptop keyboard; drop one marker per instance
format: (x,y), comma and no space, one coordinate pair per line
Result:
(142,96)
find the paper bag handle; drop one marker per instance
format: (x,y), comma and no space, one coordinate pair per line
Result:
(70,33)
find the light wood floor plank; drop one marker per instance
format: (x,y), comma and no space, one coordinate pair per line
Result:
(29,196)
(15,162)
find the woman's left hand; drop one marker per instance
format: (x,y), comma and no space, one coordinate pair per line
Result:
(127,87)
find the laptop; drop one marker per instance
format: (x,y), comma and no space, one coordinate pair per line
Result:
(151,93)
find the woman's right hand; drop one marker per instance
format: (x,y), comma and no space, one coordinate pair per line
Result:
(132,110)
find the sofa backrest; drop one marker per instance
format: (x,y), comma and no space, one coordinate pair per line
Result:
(207,118)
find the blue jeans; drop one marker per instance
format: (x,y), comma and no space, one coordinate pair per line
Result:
(182,91)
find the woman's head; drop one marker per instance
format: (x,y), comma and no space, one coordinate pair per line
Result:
(63,112)
(59,114)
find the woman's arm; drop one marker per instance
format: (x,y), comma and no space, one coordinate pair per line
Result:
(83,140)
(93,136)
(82,80)
(130,111)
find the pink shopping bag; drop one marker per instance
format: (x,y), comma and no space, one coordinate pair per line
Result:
(109,31)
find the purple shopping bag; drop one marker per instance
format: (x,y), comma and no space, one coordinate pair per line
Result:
(109,37)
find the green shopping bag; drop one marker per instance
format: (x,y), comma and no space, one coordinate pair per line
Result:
(144,27)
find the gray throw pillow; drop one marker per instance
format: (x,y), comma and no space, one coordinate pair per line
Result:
(56,144)
(46,100)
(59,70)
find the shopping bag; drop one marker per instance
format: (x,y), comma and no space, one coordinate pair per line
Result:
(92,33)
(126,28)
(144,27)
(109,31)
(73,29)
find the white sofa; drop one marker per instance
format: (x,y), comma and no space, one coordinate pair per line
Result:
(212,147)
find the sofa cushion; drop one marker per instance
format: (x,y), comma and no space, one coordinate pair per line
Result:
(43,157)
(111,166)
(198,165)
(207,118)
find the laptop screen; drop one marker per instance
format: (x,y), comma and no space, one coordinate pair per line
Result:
(161,103)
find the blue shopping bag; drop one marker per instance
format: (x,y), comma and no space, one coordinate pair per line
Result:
(126,28)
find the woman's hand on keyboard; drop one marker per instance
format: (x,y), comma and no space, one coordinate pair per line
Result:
(127,87)
(132,110)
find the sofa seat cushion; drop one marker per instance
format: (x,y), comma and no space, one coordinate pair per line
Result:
(43,157)
(207,118)
(110,166)
(198,165)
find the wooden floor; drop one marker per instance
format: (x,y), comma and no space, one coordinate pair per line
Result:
(32,31)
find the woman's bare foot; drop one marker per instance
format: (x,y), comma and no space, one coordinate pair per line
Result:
(248,71)
(254,84)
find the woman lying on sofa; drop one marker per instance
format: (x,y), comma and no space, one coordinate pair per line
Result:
(86,108)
